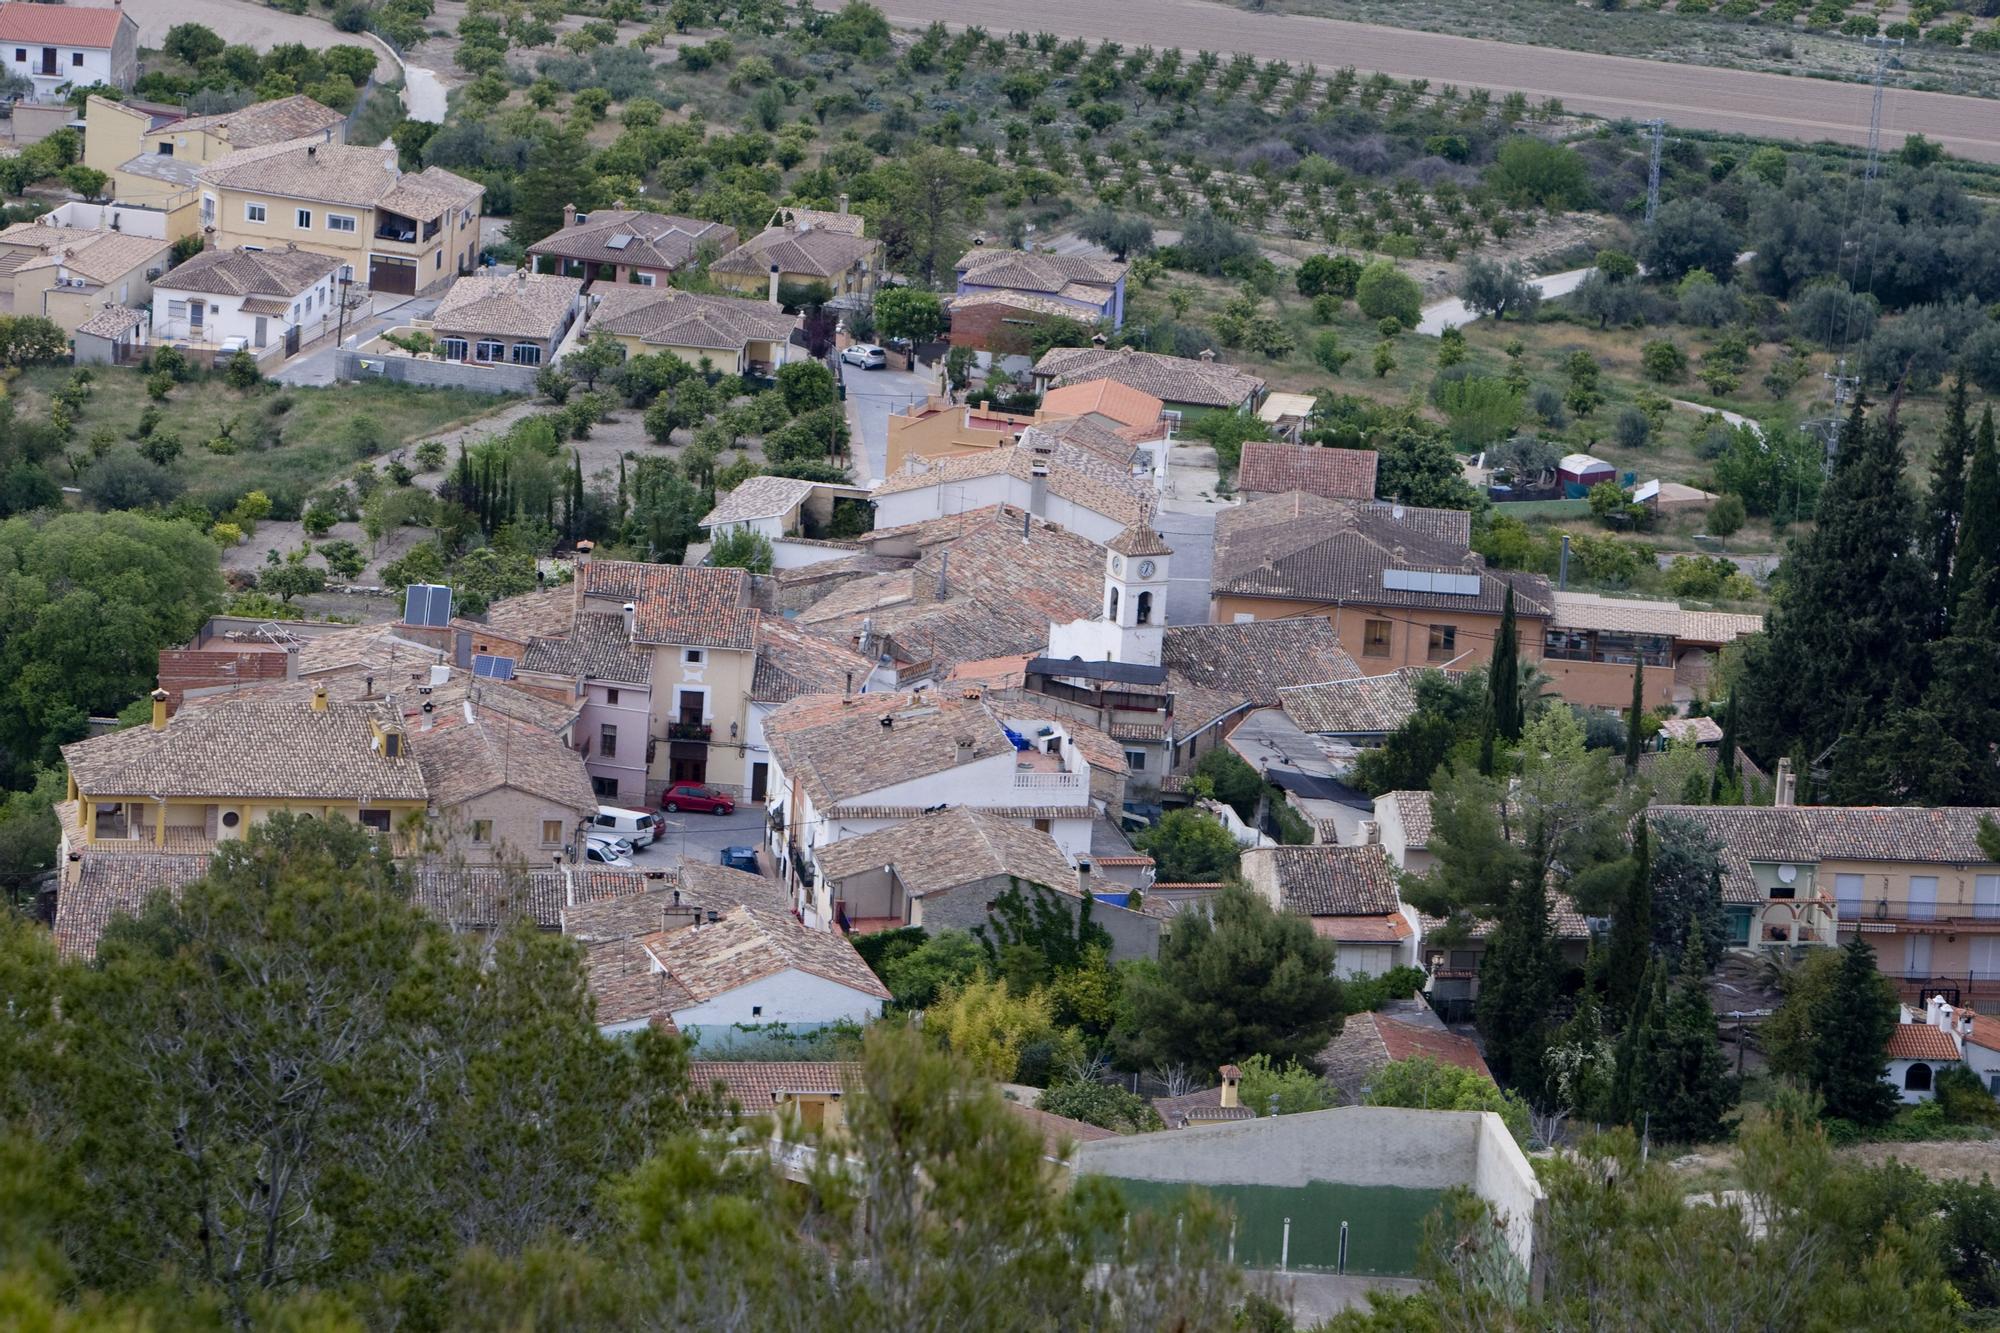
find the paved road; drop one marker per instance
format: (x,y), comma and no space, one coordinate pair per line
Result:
(245,24)
(314,368)
(1193,538)
(1687,95)
(1457,314)
(871,396)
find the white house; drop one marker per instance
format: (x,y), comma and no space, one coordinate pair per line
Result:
(777,509)
(268,298)
(845,765)
(68,46)
(749,966)
(1081,490)
(1922,1047)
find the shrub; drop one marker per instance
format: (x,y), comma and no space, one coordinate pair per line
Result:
(1632,428)
(1530,171)
(1663,362)
(1100,1104)
(1384,291)
(1725,516)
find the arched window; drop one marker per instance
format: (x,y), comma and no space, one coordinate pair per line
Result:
(1145,616)
(1917,1078)
(1111,606)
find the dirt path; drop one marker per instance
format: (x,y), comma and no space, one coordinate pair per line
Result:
(1734,101)
(245,24)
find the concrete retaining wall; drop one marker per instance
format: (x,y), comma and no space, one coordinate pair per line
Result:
(353,365)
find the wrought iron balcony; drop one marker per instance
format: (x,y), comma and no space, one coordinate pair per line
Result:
(689,731)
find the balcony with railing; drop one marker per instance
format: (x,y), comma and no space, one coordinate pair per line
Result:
(1920,912)
(689,731)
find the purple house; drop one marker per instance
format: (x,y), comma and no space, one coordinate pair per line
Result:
(1093,288)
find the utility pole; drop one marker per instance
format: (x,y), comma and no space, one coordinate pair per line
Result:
(1659,131)
(1881,45)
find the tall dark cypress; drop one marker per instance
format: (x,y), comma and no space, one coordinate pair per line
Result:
(1723,779)
(1517,988)
(1979,528)
(1631,929)
(1503,676)
(1688,1088)
(1635,724)
(1944,503)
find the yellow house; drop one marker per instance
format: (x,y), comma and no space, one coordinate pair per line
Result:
(798,1094)
(804,247)
(209,774)
(69,274)
(154,153)
(395,231)
(734,335)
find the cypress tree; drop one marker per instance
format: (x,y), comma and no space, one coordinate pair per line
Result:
(1635,725)
(1633,1055)
(1851,1027)
(1944,503)
(1688,1087)
(1840,650)
(1632,928)
(1517,988)
(1941,752)
(1979,529)
(1503,676)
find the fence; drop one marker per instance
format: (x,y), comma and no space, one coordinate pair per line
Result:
(399,368)
(1305,1227)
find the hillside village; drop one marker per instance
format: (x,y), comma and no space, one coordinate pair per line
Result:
(572,709)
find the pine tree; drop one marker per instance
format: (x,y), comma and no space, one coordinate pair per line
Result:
(1503,676)
(1517,988)
(1635,724)
(1688,1087)
(1944,503)
(1632,928)
(1839,652)
(1852,1026)
(1979,529)
(1942,751)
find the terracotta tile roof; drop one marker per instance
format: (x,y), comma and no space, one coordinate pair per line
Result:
(748,944)
(108,883)
(1199,1107)
(521,305)
(1627,615)
(1303,547)
(545,611)
(1358,705)
(1700,730)
(1413,811)
(696,607)
(1921,1041)
(625,986)
(1105,398)
(836,747)
(1172,379)
(654,240)
(791,662)
(1369,1041)
(1114,445)
(939,852)
(234,748)
(818,219)
(1385,929)
(1074,474)
(1020,270)
(1332,474)
(278,121)
(346,174)
(755,1085)
(1139,540)
(596,649)
(818,252)
(61,25)
(1100,750)
(997,673)
(1027,303)
(1056,1130)
(101,256)
(1322,880)
(759,497)
(111,322)
(672,318)
(241,272)
(488,897)
(999,811)
(1809,834)
(1254,661)
(609,904)
(462,760)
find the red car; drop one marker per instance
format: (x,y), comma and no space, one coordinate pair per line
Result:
(694,796)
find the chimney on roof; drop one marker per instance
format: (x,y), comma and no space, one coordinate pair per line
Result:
(312,152)
(1787,789)
(1207,354)
(159,710)
(569,215)
(843,203)
(319,699)
(631,613)
(430,718)
(1232,1077)
(964,750)
(773,294)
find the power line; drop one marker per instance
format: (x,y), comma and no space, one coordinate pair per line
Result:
(1659,130)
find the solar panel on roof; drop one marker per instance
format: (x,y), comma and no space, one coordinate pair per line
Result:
(427,604)
(492,667)
(618,242)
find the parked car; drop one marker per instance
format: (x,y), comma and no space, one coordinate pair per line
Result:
(638,827)
(600,854)
(617,845)
(865,355)
(741,858)
(695,796)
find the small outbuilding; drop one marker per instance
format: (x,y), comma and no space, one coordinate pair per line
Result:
(1577,473)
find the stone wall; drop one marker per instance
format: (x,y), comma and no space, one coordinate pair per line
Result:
(403,369)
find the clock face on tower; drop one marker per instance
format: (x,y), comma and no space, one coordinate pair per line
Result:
(1145,569)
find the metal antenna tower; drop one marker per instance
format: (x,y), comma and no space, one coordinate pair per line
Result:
(1881,45)
(1659,129)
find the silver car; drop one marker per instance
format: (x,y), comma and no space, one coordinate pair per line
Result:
(865,355)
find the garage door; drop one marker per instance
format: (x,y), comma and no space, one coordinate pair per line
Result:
(389,274)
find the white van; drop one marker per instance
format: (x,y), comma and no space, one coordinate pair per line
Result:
(638,827)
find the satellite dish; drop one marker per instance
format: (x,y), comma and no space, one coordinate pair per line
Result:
(1788,874)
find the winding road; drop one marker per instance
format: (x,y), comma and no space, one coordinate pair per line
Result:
(1691,96)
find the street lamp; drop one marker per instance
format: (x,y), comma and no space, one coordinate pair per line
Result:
(340,332)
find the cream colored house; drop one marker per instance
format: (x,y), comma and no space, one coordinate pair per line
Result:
(801,248)
(393,231)
(518,318)
(733,335)
(69,274)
